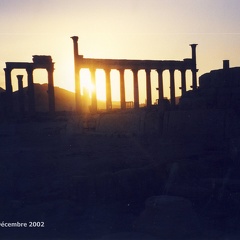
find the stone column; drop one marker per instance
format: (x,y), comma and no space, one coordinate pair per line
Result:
(172,88)
(226,64)
(122,89)
(194,69)
(31,97)
(9,97)
(108,90)
(51,97)
(8,80)
(76,74)
(194,79)
(160,84)
(94,94)
(148,87)
(183,79)
(135,88)
(21,95)
(75,46)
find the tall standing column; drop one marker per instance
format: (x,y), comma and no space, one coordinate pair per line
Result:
(76,74)
(8,80)
(122,89)
(172,88)
(31,98)
(194,69)
(94,94)
(135,88)
(148,87)
(9,97)
(183,80)
(21,95)
(160,84)
(51,97)
(108,90)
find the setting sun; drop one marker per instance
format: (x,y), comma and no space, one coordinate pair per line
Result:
(87,85)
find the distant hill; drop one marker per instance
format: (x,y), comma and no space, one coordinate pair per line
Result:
(1,90)
(64,100)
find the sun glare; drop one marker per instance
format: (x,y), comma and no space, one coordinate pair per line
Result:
(87,85)
(101,85)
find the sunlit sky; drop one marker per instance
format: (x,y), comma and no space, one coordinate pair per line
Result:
(129,29)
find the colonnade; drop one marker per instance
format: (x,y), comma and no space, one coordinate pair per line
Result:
(135,66)
(136,87)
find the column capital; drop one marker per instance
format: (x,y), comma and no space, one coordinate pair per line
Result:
(121,69)
(193,45)
(29,69)
(7,70)
(159,70)
(194,70)
(74,38)
(50,67)
(107,70)
(19,77)
(135,69)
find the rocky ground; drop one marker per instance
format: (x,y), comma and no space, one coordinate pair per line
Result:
(87,185)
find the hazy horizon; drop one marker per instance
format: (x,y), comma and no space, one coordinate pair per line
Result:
(124,30)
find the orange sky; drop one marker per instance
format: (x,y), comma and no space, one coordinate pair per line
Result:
(153,29)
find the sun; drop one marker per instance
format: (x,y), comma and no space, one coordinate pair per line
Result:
(88,87)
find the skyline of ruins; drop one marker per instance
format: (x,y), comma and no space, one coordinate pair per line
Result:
(153,30)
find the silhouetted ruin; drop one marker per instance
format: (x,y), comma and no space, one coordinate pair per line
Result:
(143,173)
(134,65)
(218,89)
(42,62)
(21,95)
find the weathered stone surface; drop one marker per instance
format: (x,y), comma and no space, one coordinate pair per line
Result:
(194,124)
(168,217)
(123,185)
(137,122)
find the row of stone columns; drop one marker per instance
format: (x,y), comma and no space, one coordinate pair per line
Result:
(136,87)
(186,64)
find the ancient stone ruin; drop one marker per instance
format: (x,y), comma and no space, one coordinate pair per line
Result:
(139,174)
(42,62)
(134,65)
(218,89)
(45,62)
